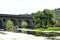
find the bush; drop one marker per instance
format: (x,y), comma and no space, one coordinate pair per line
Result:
(24,24)
(10,26)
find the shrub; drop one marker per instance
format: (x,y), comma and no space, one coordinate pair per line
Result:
(10,26)
(24,24)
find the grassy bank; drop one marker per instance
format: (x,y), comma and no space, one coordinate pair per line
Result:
(48,29)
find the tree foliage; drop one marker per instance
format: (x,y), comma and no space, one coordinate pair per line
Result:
(38,18)
(10,26)
(44,18)
(49,17)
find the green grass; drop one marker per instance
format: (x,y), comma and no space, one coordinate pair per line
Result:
(48,29)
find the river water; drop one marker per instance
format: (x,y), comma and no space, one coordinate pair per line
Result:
(21,36)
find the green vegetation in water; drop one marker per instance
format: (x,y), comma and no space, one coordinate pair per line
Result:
(47,34)
(48,29)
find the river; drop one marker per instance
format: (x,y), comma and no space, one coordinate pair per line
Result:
(4,35)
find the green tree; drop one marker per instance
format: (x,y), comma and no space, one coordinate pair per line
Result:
(44,18)
(49,17)
(38,17)
(9,26)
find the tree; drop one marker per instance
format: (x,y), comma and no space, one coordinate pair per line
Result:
(44,18)
(10,26)
(38,18)
(49,17)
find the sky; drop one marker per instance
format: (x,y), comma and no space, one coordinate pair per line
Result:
(26,6)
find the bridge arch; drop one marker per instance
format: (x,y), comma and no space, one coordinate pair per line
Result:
(13,21)
(16,19)
(24,24)
(28,23)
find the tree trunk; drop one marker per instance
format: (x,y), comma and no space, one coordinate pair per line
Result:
(46,24)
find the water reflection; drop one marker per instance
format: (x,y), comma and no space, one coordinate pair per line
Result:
(53,38)
(45,35)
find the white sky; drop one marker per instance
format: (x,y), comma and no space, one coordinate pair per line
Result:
(26,6)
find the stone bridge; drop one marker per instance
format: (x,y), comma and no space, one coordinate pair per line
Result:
(17,20)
